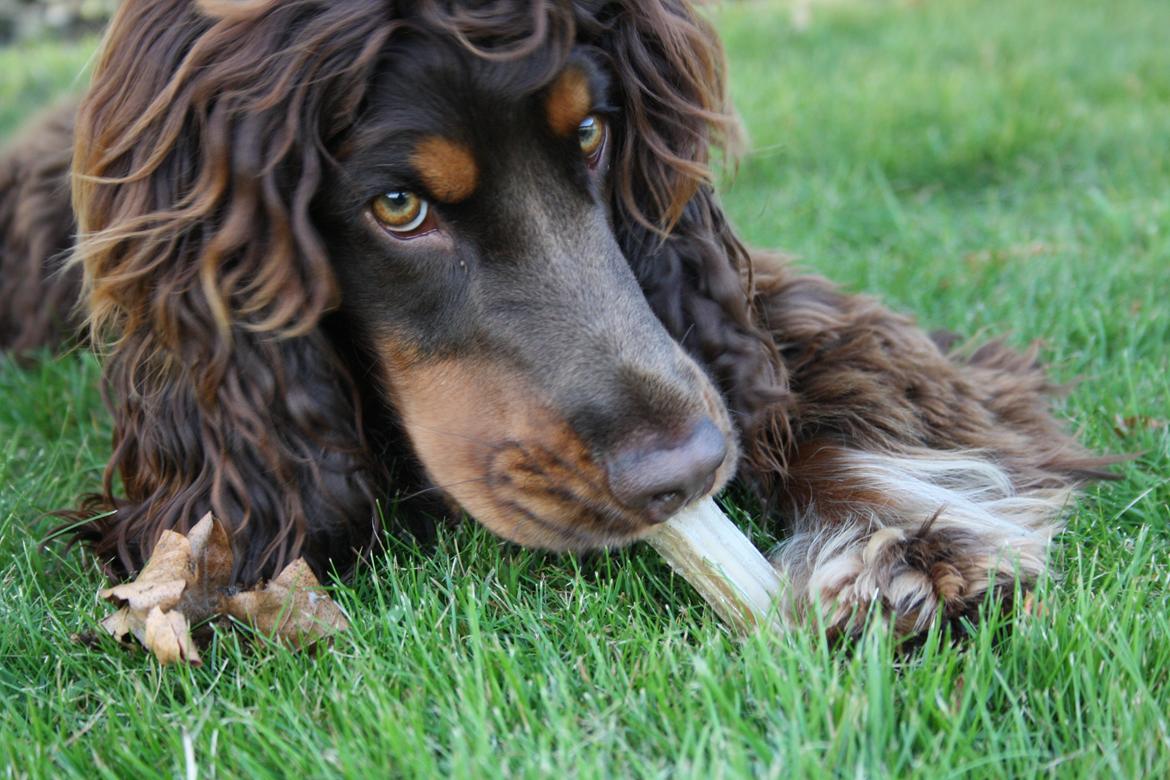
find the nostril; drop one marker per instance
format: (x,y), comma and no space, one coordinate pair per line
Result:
(661,478)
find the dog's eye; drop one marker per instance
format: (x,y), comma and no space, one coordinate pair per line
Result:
(400,211)
(591,134)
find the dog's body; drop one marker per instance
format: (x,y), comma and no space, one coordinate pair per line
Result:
(335,253)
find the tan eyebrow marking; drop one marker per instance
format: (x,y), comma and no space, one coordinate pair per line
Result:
(446,167)
(568,101)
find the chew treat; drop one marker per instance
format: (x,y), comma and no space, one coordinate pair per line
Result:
(731,575)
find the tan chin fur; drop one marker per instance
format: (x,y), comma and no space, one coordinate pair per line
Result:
(929,534)
(508,458)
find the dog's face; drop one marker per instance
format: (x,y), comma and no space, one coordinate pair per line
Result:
(469,228)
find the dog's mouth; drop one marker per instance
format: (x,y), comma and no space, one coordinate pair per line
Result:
(562,499)
(521,470)
(556,500)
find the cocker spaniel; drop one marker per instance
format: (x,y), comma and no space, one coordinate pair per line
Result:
(338,251)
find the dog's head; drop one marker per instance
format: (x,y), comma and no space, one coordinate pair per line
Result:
(487,192)
(470,227)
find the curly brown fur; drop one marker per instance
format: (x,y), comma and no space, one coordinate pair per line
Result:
(210,135)
(37,292)
(554,331)
(912,478)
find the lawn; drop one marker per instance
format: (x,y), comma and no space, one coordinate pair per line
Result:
(993,166)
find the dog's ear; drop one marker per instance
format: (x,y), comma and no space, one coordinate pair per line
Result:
(36,234)
(670,72)
(199,148)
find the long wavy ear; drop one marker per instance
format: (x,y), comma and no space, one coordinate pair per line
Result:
(37,295)
(199,148)
(670,68)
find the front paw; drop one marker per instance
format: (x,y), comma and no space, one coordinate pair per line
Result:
(926,538)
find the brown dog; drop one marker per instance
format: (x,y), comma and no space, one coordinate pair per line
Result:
(339,250)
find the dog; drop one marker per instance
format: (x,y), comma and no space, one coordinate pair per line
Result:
(340,253)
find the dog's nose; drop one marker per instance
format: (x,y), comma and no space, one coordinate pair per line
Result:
(660,480)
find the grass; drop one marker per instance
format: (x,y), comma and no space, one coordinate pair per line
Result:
(993,166)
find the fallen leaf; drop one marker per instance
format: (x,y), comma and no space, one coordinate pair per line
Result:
(1123,426)
(188,581)
(168,636)
(162,581)
(292,607)
(211,557)
(211,550)
(118,624)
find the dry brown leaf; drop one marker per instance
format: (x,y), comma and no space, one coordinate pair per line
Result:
(162,581)
(292,607)
(211,550)
(187,581)
(118,624)
(168,636)
(1123,426)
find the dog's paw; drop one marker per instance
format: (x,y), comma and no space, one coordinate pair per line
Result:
(913,578)
(926,539)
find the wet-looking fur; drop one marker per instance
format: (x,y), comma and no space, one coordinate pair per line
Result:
(276,354)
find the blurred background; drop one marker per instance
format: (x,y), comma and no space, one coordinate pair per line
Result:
(23,19)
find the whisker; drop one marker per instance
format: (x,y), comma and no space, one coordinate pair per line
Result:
(423,491)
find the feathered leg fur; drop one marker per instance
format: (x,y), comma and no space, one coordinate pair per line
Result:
(912,478)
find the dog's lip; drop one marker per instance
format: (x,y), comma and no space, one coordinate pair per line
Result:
(625,525)
(640,524)
(595,522)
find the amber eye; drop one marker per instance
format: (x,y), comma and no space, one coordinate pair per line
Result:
(400,211)
(591,133)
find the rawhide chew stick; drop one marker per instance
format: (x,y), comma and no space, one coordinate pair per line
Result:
(712,554)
